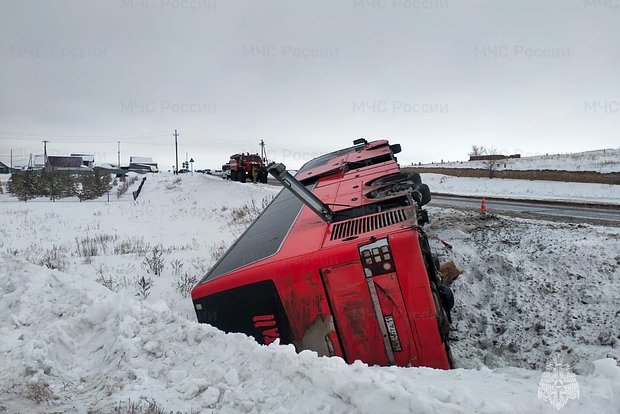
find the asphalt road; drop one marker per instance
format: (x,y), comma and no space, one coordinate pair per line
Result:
(556,211)
(606,215)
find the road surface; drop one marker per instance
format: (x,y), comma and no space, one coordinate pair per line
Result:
(548,210)
(606,215)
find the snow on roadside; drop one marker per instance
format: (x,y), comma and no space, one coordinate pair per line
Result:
(191,218)
(81,348)
(524,189)
(603,161)
(530,290)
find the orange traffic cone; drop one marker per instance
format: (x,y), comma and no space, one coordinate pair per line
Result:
(483,206)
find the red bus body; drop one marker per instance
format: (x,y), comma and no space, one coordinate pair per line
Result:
(357,287)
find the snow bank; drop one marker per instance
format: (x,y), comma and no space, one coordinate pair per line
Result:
(603,161)
(524,189)
(68,344)
(530,290)
(90,348)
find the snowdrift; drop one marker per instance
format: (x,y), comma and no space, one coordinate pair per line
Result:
(70,345)
(90,348)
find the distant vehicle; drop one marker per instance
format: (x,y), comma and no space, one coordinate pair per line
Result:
(183,171)
(208,171)
(339,264)
(226,171)
(243,165)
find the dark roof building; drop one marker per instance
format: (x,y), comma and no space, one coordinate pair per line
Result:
(88,160)
(142,164)
(4,169)
(58,162)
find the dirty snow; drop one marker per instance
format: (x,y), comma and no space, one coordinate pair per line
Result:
(524,189)
(530,291)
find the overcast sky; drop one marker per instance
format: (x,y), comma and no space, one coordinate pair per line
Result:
(526,76)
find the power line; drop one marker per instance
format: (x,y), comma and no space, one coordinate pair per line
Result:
(135,135)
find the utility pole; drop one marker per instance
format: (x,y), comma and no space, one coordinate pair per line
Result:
(119,154)
(176,149)
(262,150)
(45,154)
(11,170)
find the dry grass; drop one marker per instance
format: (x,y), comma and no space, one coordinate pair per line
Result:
(39,392)
(184,283)
(248,212)
(125,186)
(135,245)
(154,260)
(54,258)
(144,405)
(174,185)
(218,250)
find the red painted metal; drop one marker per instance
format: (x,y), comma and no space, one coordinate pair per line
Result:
(322,286)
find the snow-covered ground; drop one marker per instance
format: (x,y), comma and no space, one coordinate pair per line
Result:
(524,189)
(603,161)
(530,291)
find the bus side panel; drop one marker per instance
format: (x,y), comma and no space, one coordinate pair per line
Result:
(305,303)
(354,315)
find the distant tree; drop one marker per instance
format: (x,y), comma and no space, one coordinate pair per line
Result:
(56,184)
(94,185)
(86,186)
(24,185)
(66,185)
(104,183)
(490,164)
(476,150)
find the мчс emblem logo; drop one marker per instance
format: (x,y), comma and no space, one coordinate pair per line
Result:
(558,385)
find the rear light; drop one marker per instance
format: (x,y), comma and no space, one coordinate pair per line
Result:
(377,258)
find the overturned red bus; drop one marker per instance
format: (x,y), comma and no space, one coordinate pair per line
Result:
(338,263)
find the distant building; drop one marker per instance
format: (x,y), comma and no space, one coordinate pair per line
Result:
(142,165)
(69,164)
(88,160)
(141,160)
(74,163)
(492,157)
(38,161)
(5,169)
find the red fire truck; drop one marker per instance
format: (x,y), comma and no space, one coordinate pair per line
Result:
(339,264)
(243,165)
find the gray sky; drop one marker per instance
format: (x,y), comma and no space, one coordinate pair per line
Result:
(307,77)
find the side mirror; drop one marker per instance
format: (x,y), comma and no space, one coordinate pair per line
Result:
(395,148)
